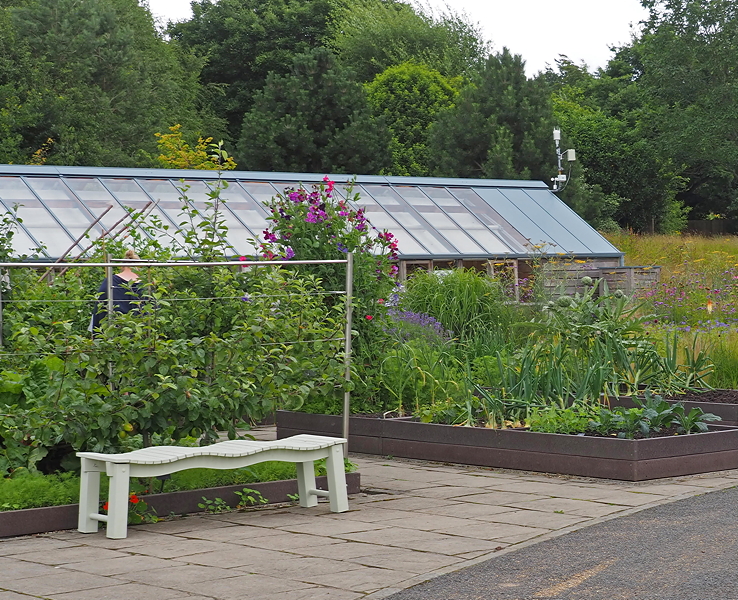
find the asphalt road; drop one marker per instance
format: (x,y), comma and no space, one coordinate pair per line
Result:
(684,550)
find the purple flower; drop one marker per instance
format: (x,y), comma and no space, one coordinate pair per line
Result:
(289,253)
(418,325)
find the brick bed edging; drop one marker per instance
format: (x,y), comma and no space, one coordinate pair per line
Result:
(54,518)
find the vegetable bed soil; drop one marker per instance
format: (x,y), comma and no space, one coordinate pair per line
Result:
(609,458)
(54,518)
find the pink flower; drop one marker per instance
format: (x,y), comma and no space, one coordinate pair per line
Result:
(369,317)
(328,184)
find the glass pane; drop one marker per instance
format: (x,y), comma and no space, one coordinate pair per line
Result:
(441,196)
(64,205)
(14,189)
(89,190)
(97,200)
(22,243)
(128,192)
(162,190)
(44,227)
(365,198)
(414,196)
(197,194)
(460,241)
(251,213)
(196,191)
(406,219)
(466,220)
(494,220)
(381,220)
(384,194)
(408,246)
(260,191)
(436,218)
(490,242)
(431,242)
(49,189)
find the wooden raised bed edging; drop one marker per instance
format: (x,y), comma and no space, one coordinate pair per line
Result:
(609,458)
(54,518)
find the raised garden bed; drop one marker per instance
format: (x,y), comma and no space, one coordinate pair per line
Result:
(54,518)
(611,458)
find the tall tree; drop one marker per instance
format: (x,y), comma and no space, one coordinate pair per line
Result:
(685,61)
(500,126)
(243,41)
(409,97)
(315,120)
(372,35)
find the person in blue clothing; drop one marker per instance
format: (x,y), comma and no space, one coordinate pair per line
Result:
(127,291)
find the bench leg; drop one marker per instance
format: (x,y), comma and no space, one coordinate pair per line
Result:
(305,483)
(89,498)
(118,501)
(337,480)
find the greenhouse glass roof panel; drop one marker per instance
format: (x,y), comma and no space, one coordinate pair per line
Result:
(437,218)
(410,219)
(430,217)
(554,234)
(575,225)
(97,200)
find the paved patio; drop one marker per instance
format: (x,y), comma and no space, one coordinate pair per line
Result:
(416,520)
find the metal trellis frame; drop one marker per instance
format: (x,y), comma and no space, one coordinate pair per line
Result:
(110,264)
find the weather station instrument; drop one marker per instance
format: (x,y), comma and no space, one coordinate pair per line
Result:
(561,179)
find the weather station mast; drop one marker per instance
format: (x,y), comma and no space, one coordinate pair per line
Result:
(560,181)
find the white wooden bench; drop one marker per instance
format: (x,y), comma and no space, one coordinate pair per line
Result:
(302,450)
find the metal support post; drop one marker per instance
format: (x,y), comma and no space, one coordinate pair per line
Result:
(347,346)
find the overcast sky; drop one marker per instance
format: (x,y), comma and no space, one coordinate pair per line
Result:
(540,30)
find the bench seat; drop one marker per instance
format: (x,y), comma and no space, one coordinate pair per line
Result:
(303,450)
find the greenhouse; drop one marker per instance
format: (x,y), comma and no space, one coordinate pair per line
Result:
(438,223)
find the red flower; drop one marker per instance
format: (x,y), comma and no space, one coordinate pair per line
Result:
(105,507)
(369,317)
(134,499)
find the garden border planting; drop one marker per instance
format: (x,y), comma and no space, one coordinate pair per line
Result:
(54,518)
(728,413)
(603,457)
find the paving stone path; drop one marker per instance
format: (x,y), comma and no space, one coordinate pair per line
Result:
(417,520)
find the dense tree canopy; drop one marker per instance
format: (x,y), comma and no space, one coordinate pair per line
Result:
(685,61)
(500,126)
(373,35)
(316,120)
(409,96)
(94,76)
(245,40)
(609,125)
